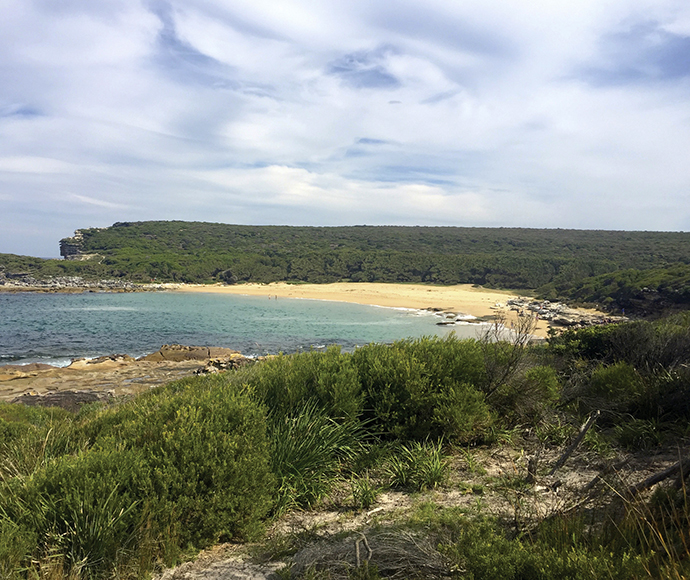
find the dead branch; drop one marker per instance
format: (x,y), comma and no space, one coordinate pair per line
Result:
(682,466)
(397,555)
(501,364)
(574,445)
(608,469)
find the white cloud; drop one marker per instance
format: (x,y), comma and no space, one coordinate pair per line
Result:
(26,164)
(473,113)
(97,202)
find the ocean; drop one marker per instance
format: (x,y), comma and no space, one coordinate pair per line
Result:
(55,328)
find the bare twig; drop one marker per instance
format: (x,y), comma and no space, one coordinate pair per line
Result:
(574,445)
(502,364)
(608,469)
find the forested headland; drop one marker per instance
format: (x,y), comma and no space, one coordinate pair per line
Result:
(642,272)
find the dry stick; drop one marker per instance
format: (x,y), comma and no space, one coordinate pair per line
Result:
(359,540)
(570,450)
(660,476)
(608,469)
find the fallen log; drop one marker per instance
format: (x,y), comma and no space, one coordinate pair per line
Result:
(682,466)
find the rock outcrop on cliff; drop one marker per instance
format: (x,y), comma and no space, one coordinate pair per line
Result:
(71,248)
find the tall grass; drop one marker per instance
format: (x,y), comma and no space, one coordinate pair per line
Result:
(306,453)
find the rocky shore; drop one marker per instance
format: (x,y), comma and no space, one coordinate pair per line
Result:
(23,282)
(109,377)
(556,314)
(559,314)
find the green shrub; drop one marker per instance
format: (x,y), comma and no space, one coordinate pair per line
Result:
(285,383)
(636,434)
(526,398)
(618,382)
(485,553)
(206,448)
(178,467)
(364,492)
(448,359)
(460,413)
(418,466)
(563,548)
(16,547)
(79,508)
(412,392)
(306,454)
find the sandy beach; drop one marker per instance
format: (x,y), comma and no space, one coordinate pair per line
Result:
(463,298)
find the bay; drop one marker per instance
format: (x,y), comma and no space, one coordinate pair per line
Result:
(56,328)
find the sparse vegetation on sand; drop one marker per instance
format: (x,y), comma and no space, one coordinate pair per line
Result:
(440,453)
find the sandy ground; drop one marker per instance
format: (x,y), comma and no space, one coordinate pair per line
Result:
(463,298)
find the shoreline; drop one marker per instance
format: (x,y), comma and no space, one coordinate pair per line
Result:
(461,299)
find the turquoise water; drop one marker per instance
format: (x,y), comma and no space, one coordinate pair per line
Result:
(55,328)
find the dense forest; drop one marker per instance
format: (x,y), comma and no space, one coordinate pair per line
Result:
(638,271)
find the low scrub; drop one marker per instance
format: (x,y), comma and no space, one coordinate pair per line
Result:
(424,389)
(177,468)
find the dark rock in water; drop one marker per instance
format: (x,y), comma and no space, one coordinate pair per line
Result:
(69,400)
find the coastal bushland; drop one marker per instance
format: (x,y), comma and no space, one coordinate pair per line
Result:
(121,490)
(640,272)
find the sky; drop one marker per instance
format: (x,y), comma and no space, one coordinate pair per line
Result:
(500,113)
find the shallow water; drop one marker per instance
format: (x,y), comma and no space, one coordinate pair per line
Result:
(55,328)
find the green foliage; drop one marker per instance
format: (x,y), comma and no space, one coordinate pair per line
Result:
(484,550)
(527,397)
(199,440)
(643,288)
(181,466)
(418,466)
(364,491)
(32,436)
(618,382)
(638,434)
(307,450)
(638,371)
(423,388)
(16,548)
(471,463)
(328,378)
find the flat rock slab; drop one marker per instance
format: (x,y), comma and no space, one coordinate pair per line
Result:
(70,400)
(86,381)
(178,352)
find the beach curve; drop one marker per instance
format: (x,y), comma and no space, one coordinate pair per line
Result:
(462,298)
